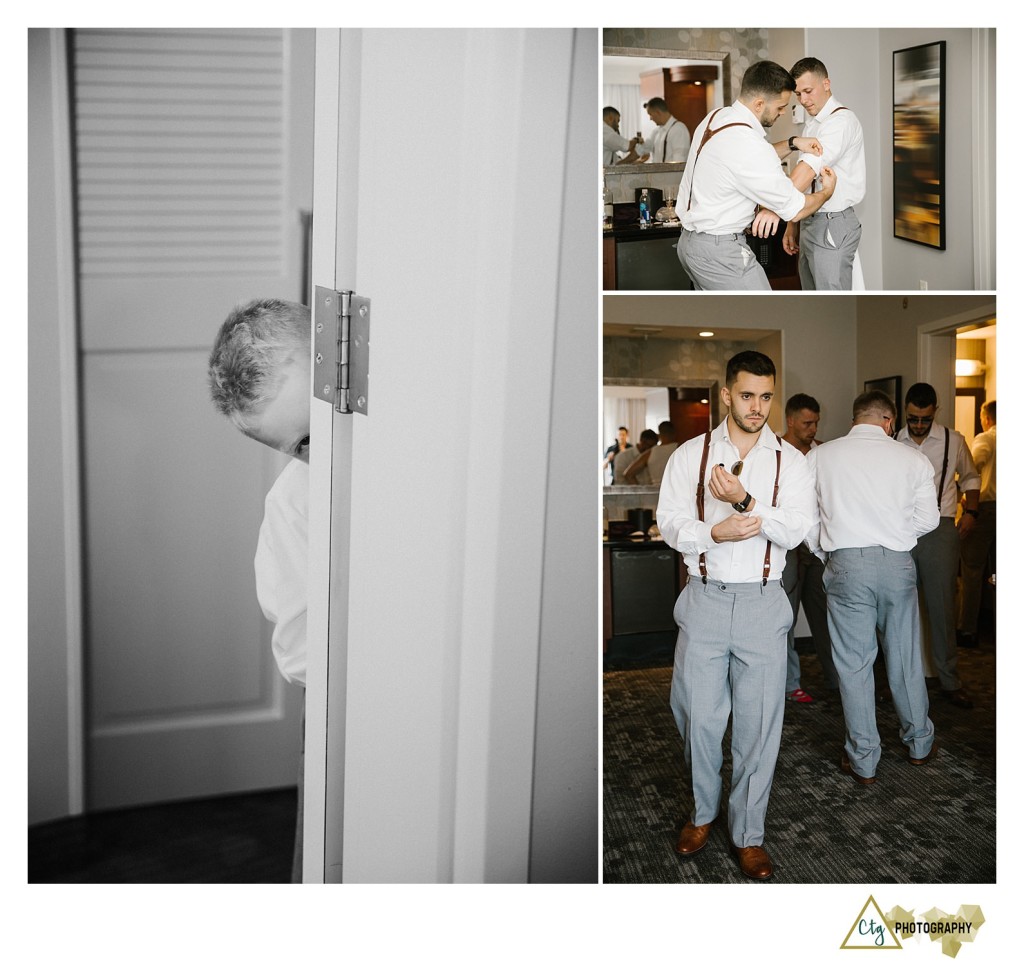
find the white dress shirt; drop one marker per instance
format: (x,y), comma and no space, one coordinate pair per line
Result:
(658,459)
(670,143)
(281,564)
(871,491)
(842,142)
(738,169)
(613,143)
(983,451)
(622,461)
(960,469)
(785,525)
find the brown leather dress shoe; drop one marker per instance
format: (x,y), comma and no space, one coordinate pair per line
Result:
(924,760)
(754,861)
(692,839)
(959,698)
(844,765)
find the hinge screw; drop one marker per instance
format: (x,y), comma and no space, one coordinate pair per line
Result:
(362,311)
(319,358)
(327,391)
(361,401)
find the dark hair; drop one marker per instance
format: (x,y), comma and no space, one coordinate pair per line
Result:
(608,111)
(990,410)
(657,103)
(648,435)
(624,428)
(921,395)
(801,401)
(753,362)
(811,64)
(873,402)
(766,77)
(667,429)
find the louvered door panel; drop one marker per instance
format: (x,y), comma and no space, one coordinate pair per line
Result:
(181,154)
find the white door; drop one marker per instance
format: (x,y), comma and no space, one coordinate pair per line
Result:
(192,165)
(452,710)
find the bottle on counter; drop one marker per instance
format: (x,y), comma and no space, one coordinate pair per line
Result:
(645,209)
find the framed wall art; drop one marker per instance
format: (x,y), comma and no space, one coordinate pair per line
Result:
(892,386)
(919,144)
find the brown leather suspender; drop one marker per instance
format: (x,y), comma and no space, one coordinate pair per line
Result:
(708,134)
(702,561)
(945,465)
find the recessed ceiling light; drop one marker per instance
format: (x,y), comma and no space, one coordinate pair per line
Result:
(707,334)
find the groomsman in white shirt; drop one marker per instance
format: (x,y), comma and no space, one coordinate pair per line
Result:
(671,140)
(937,554)
(732,502)
(876,497)
(827,241)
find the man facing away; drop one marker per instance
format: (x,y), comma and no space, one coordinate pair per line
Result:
(875,499)
(976,547)
(937,554)
(648,439)
(731,170)
(802,576)
(827,241)
(733,501)
(671,140)
(655,458)
(259,378)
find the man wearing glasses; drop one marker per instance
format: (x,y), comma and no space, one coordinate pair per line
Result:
(875,499)
(937,554)
(733,501)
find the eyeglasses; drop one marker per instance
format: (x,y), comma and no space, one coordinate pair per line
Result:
(737,468)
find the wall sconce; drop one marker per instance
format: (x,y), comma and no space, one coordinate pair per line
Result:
(969,368)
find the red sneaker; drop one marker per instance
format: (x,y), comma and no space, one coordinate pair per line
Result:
(798,695)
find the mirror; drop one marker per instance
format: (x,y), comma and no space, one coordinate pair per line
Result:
(690,87)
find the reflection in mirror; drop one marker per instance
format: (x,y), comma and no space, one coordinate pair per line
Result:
(689,88)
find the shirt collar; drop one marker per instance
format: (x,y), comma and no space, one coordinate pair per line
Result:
(936,431)
(868,430)
(749,113)
(765,439)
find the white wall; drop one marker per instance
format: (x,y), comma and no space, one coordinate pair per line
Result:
(852,59)
(907,264)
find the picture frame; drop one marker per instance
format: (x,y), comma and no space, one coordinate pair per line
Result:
(919,144)
(893,387)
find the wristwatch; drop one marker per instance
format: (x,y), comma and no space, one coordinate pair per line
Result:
(743,505)
(971,511)
(791,139)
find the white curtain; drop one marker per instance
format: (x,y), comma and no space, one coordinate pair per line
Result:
(625,98)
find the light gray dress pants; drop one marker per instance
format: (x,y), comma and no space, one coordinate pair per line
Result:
(731,657)
(937,556)
(872,593)
(828,243)
(802,581)
(720,262)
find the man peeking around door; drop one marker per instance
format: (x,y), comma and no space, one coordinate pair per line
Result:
(259,379)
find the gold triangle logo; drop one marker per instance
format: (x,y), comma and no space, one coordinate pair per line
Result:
(871,931)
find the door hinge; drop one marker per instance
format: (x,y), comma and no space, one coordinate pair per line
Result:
(341,350)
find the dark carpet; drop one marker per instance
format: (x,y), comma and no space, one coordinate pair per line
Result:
(245,838)
(918,824)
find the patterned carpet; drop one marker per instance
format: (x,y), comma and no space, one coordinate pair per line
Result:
(228,839)
(918,824)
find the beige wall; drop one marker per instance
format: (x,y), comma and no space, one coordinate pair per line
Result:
(811,338)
